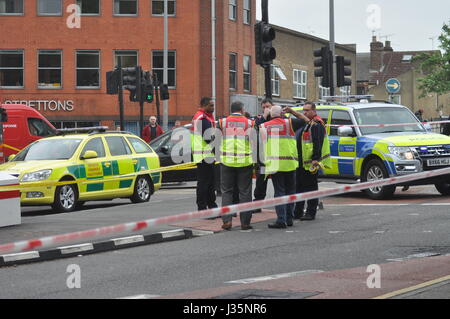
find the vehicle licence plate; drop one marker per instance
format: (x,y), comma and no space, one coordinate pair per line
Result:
(438,162)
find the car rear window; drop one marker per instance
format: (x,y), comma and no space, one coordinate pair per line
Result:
(139,146)
(117,146)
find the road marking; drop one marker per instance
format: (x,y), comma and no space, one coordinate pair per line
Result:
(20,256)
(141,297)
(416,287)
(436,204)
(427,231)
(379,232)
(336,231)
(271,277)
(76,248)
(335,214)
(421,255)
(414,214)
(128,240)
(172,233)
(387,204)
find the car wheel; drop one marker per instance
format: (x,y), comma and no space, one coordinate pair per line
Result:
(65,198)
(142,190)
(374,171)
(443,188)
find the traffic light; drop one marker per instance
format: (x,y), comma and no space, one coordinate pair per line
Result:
(342,71)
(164,92)
(3,115)
(324,65)
(112,82)
(264,34)
(132,77)
(147,88)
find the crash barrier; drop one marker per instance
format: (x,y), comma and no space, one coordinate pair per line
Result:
(139,226)
(9,200)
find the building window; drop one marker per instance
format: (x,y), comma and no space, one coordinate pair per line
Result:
(247,73)
(89,7)
(323,91)
(345,90)
(129,58)
(11,7)
(232,10)
(275,78)
(300,81)
(49,69)
(158,67)
(49,7)
(11,68)
(125,7)
(233,71)
(247,12)
(71,124)
(158,7)
(88,69)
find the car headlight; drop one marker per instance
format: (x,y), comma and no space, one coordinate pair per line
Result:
(36,176)
(402,152)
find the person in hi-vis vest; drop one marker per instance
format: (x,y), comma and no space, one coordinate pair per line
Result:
(313,152)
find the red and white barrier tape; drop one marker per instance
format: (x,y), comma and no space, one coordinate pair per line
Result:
(46,242)
(387,125)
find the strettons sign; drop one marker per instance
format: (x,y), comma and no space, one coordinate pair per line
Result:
(46,105)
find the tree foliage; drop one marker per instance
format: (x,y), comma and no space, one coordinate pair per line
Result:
(436,67)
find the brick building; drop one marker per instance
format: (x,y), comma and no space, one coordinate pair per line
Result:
(60,70)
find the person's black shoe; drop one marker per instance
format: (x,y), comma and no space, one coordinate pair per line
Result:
(246,227)
(257,210)
(297,216)
(277,225)
(290,223)
(308,217)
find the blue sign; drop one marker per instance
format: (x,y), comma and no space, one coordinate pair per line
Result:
(393,86)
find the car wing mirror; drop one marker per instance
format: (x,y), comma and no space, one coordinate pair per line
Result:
(89,154)
(346,131)
(165,149)
(11,157)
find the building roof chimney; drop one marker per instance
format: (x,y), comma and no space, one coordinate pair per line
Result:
(376,54)
(387,46)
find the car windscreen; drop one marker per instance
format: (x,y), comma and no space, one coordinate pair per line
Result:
(387,115)
(53,149)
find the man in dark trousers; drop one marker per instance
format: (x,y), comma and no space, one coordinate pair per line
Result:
(203,154)
(313,147)
(152,130)
(236,163)
(261,180)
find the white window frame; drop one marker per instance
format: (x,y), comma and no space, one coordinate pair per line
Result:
(16,13)
(91,14)
(247,12)
(15,68)
(125,53)
(247,73)
(49,14)
(275,80)
(234,71)
(162,14)
(51,52)
(345,90)
(126,14)
(323,91)
(300,81)
(81,52)
(232,10)
(169,68)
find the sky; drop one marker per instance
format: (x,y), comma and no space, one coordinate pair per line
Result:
(408,24)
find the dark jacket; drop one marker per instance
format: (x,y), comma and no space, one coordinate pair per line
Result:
(317,135)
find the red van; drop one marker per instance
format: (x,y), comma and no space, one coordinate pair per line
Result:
(24,125)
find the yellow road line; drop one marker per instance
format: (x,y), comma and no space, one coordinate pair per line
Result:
(416,287)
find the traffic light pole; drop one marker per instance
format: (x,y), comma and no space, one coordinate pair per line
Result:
(156,86)
(267,75)
(333,51)
(122,124)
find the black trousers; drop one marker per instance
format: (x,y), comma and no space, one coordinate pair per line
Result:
(261,185)
(206,196)
(306,182)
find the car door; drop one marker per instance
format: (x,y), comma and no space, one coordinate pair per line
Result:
(94,168)
(342,148)
(120,166)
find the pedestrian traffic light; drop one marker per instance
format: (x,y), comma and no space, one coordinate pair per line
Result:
(3,115)
(147,88)
(164,92)
(264,52)
(342,71)
(324,65)
(131,78)
(112,82)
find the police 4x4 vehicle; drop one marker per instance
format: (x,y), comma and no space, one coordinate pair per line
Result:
(67,170)
(368,153)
